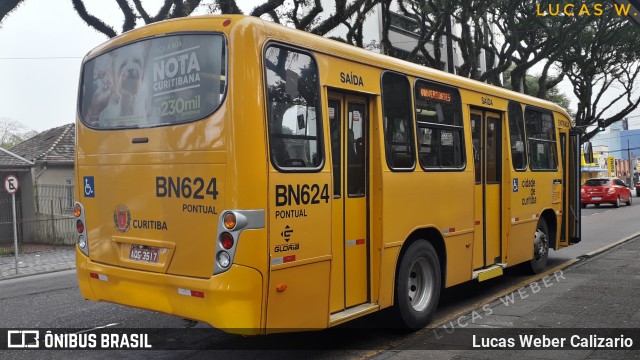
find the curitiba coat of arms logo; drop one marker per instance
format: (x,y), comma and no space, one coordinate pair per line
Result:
(122,218)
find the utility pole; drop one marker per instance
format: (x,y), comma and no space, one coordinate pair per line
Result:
(630,165)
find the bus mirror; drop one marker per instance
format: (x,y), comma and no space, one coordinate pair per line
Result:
(588,152)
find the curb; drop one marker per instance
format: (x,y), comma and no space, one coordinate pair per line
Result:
(580,259)
(595,252)
(10,277)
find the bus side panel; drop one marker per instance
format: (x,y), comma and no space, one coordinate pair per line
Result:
(520,247)
(299,246)
(388,275)
(439,199)
(304,304)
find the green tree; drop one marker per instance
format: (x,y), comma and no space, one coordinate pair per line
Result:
(531,87)
(603,65)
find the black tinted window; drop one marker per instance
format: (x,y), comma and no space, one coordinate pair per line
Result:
(398,128)
(294,109)
(541,136)
(516,136)
(596,182)
(439,121)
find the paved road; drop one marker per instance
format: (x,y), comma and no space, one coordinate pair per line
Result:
(53,300)
(601,226)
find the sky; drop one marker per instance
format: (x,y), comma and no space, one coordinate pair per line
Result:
(42,45)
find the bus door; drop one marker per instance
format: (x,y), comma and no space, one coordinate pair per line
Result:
(486,133)
(349,128)
(565,175)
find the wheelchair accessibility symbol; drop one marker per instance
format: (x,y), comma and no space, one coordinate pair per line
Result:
(89,188)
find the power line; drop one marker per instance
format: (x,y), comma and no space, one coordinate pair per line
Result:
(41,58)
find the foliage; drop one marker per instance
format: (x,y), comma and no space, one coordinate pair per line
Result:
(13,133)
(301,14)
(603,65)
(6,251)
(531,85)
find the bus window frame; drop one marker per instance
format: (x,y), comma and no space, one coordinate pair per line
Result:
(461,128)
(525,140)
(319,110)
(555,131)
(147,38)
(412,123)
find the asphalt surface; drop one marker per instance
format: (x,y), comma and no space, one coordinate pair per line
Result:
(52,300)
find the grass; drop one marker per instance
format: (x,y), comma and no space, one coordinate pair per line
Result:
(6,251)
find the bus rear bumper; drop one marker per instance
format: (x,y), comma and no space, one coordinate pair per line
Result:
(231,301)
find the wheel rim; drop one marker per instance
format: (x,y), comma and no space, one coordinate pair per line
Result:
(420,284)
(540,245)
(618,201)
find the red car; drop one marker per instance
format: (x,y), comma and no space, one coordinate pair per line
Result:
(605,191)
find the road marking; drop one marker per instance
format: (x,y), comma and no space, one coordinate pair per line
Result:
(96,328)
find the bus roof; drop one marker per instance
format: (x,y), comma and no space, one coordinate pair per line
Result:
(335,48)
(353,53)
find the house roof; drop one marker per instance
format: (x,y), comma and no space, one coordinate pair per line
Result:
(53,145)
(9,159)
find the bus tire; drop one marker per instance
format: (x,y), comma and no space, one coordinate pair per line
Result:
(418,285)
(540,248)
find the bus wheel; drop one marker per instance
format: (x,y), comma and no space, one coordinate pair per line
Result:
(418,285)
(540,248)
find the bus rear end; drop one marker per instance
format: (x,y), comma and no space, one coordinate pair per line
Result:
(156,224)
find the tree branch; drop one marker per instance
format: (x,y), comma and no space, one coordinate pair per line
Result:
(7,6)
(93,21)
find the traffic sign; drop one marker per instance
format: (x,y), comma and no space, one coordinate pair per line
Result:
(11,184)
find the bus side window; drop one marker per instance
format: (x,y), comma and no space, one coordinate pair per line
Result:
(541,139)
(439,120)
(398,128)
(516,136)
(293,97)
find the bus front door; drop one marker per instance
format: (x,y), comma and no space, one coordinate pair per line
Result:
(487,148)
(349,128)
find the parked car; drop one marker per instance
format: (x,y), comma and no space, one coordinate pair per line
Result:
(605,191)
(638,190)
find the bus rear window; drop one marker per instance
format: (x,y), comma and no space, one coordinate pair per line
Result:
(160,81)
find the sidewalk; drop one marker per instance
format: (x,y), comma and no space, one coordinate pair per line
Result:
(50,259)
(600,292)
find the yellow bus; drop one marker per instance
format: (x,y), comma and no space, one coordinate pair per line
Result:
(262,179)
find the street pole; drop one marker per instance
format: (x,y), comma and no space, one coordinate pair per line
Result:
(15,231)
(630,163)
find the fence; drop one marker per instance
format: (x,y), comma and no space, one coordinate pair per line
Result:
(47,218)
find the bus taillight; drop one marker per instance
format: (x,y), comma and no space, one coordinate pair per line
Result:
(79,226)
(229,220)
(81,229)
(226,240)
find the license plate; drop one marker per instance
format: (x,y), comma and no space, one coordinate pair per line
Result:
(144,253)
(596,198)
